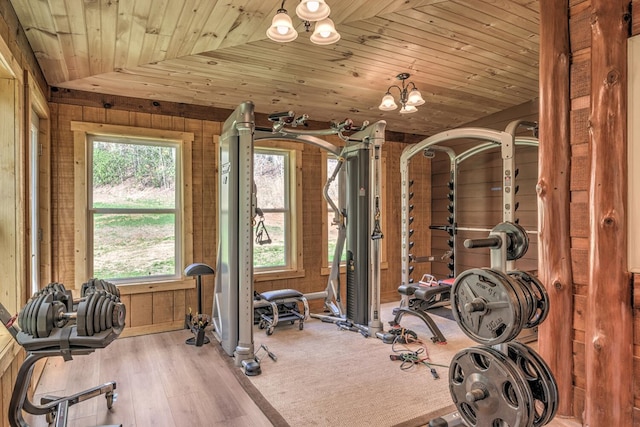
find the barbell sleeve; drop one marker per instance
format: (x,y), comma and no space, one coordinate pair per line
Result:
(490,242)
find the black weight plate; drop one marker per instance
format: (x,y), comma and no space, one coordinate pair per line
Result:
(97,312)
(45,318)
(541,306)
(507,398)
(81,317)
(521,309)
(543,386)
(22,316)
(103,314)
(518,239)
(34,315)
(493,325)
(109,315)
(118,317)
(93,299)
(29,314)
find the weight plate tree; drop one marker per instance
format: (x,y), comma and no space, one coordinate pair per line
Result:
(504,382)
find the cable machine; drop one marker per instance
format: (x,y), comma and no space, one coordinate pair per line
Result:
(357,216)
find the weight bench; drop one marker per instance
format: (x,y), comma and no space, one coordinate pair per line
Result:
(418,298)
(273,307)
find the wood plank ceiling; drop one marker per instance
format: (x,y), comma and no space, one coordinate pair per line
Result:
(469,58)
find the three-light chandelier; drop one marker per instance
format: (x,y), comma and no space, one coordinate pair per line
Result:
(308,11)
(409,99)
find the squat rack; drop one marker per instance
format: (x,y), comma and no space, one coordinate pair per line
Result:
(488,139)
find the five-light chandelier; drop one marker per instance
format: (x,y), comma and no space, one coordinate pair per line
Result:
(409,99)
(308,11)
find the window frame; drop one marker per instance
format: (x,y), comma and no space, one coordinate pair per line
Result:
(295,267)
(92,211)
(81,132)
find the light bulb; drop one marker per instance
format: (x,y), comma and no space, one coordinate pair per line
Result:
(282,29)
(313,6)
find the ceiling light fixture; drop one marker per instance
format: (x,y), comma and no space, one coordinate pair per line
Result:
(409,100)
(308,11)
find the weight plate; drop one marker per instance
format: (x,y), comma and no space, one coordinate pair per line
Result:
(540,379)
(522,309)
(81,317)
(118,317)
(518,239)
(44,322)
(486,306)
(97,312)
(541,298)
(93,299)
(33,324)
(488,389)
(28,315)
(109,314)
(104,314)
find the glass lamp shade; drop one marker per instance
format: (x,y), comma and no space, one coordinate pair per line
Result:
(325,32)
(281,29)
(313,10)
(388,103)
(408,109)
(415,98)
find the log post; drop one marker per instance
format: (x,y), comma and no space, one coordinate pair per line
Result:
(608,317)
(553,188)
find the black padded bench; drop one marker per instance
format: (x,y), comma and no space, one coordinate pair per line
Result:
(419,297)
(281,305)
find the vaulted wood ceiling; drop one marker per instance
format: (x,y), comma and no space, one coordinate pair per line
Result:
(469,58)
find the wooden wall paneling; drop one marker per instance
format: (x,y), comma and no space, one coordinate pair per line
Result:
(63,196)
(94,114)
(608,328)
(635,18)
(179,304)
(141,307)
(117,117)
(197,175)
(162,307)
(140,119)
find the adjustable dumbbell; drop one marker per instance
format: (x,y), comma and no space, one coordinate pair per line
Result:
(98,312)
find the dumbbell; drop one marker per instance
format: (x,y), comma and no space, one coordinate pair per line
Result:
(43,313)
(99,284)
(98,312)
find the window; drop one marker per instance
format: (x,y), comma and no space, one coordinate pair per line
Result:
(332,231)
(134,203)
(277,246)
(329,230)
(134,215)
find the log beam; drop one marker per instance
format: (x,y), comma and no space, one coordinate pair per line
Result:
(609,320)
(553,188)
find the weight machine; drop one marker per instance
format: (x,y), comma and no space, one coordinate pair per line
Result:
(357,216)
(417,298)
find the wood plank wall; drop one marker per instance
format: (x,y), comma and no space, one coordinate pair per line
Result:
(580,36)
(479,196)
(12,35)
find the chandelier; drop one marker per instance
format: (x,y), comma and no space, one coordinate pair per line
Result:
(308,11)
(409,100)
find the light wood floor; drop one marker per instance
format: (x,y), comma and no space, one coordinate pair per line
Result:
(161,381)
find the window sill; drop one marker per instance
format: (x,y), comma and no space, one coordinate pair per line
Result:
(142,288)
(277,275)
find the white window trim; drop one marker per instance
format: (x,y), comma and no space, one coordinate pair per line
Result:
(296,267)
(80,132)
